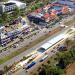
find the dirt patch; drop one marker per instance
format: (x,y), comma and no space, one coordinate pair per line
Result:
(71,22)
(71,69)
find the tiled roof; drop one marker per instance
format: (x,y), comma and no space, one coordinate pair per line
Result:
(38,10)
(48,11)
(46,15)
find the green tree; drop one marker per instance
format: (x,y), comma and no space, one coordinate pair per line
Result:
(16,13)
(1,72)
(4,17)
(68,42)
(1,21)
(5,68)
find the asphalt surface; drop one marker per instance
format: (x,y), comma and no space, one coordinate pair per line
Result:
(23,71)
(27,41)
(17,58)
(49,53)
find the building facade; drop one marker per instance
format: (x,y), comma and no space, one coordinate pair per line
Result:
(7,7)
(11,5)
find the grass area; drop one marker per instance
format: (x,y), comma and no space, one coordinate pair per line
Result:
(1,47)
(40,39)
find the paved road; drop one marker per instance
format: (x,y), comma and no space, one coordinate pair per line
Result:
(46,41)
(27,41)
(23,72)
(17,58)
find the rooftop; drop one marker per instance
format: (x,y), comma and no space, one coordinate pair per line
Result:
(7,4)
(18,3)
(47,11)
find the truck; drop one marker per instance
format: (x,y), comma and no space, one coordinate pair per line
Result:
(30,65)
(42,59)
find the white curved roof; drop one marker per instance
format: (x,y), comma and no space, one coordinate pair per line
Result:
(46,45)
(52,41)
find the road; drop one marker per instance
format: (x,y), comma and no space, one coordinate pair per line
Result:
(27,41)
(49,53)
(17,58)
(50,49)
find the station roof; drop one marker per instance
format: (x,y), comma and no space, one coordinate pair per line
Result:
(52,41)
(46,45)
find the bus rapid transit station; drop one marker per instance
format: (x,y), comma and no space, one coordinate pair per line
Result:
(50,43)
(45,47)
(39,51)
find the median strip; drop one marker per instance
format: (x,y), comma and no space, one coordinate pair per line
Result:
(35,42)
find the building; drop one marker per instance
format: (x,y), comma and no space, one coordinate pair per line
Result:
(19,4)
(49,12)
(70,3)
(7,7)
(11,5)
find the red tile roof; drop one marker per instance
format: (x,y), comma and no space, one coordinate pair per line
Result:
(38,10)
(46,15)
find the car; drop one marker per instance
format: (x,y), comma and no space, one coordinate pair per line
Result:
(26,70)
(54,47)
(14,46)
(53,51)
(62,48)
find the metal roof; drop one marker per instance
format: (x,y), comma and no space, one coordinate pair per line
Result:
(52,41)
(46,45)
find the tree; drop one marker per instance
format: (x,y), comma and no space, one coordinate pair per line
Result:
(1,72)
(27,1)
(1,21)
(5,68)
(51,70)
(42,72)
(72,52)
(16,13)
(48,62)
(4,17)
(68,42)
(61,63)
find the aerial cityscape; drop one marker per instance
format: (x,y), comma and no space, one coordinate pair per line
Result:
(37,37)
